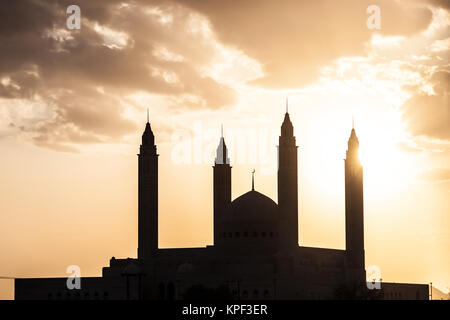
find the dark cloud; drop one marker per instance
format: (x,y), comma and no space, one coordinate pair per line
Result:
(293,39)
(114,51)
(429,114)
(441,3)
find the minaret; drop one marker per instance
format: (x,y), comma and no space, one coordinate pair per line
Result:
(222,187)
(287,184)
(354,206)
(147,195)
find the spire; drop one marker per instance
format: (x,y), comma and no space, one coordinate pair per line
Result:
(253,180)
(287,105)
(221,130)
(222,152)
(353,135)
(287,128)
(353,142)
(353,122)
(148,139)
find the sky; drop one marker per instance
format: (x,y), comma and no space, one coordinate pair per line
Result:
(73,106)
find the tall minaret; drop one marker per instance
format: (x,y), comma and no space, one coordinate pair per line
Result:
(287,184)
(354,207)
(222,187)
(148,195)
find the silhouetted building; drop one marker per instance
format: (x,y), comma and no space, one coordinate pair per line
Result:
(404,291)
(256,254)
(354,209)
(148,196)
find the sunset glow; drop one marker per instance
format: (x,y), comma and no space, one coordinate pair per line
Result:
(73,108)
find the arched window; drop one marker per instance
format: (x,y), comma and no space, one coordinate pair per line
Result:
(245,234)
(230,235)
(255,234)
(245,294)
(255,294)
(50,296)
(105,295)
(266,294)
(237,234)
(263,234)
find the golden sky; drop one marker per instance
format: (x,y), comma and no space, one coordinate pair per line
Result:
(73,106)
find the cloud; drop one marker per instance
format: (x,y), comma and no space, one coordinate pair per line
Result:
(441,3)
(293,39)
(407,147)
(168,48)
(436,175)
(81,76)
(429,113)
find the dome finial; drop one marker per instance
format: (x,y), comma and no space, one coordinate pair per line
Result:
(253,180)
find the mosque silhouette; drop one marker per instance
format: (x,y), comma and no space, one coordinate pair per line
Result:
(256,253)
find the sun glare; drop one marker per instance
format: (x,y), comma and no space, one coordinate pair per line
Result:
(385,165)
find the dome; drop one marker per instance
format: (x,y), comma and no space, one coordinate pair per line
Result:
(132,269)
(253,206)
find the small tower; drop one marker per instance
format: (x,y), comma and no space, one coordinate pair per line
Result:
(222,187)
(288,184)
(354,206)
(147,195)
